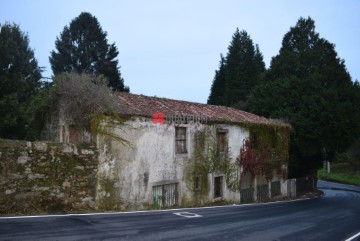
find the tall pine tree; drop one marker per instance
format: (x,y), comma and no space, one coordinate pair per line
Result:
(218,87)
(238,73)
(82,47)
(19,80)
(308,85)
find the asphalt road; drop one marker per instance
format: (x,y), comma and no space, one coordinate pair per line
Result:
(335,216)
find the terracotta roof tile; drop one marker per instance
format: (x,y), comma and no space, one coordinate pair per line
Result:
(140,105)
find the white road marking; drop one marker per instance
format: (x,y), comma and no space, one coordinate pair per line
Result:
(188,215)
(353,237)
(153,211)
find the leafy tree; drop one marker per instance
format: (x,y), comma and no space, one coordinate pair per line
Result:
(77,99)
(83,48)
(40,107)
(307,84)
(19,80)
(238,73)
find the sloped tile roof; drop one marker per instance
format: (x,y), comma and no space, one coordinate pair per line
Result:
(140,105)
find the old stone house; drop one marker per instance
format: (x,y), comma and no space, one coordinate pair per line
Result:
(164,152)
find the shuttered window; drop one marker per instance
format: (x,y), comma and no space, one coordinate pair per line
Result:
(222,141)
(180,140)
(222,144)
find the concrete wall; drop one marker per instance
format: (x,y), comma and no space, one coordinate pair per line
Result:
(128,171)
(288,188)
(41,177)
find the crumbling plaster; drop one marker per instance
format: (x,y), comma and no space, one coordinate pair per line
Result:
(148,158)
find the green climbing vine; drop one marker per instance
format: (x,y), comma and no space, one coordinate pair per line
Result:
(207,159)
(264,152)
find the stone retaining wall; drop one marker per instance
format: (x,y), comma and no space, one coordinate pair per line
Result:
(42,177)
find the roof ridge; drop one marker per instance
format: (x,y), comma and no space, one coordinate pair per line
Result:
(186,101)
(139,104)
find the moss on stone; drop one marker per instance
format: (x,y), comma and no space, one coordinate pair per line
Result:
(38,182)
(108,200)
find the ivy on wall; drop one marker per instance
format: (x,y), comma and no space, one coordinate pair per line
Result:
(265,151)
(207,159)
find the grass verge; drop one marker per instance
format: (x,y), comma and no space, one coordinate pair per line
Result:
(341,177)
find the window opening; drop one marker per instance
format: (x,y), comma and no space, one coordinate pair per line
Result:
(180,140)
(222,144)
(218,187)
(165,195)
(197,184)
(222,141)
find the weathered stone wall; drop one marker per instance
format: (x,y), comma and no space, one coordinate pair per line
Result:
(41,177)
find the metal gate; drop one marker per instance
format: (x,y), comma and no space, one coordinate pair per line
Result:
(247,195)
(263,193)
(165,195)
(275,189)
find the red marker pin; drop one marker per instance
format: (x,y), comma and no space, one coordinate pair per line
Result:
(158,118)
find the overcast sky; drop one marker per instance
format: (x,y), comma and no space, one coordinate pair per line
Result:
(171,48)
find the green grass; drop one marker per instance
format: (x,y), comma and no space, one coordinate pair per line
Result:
(341,177)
